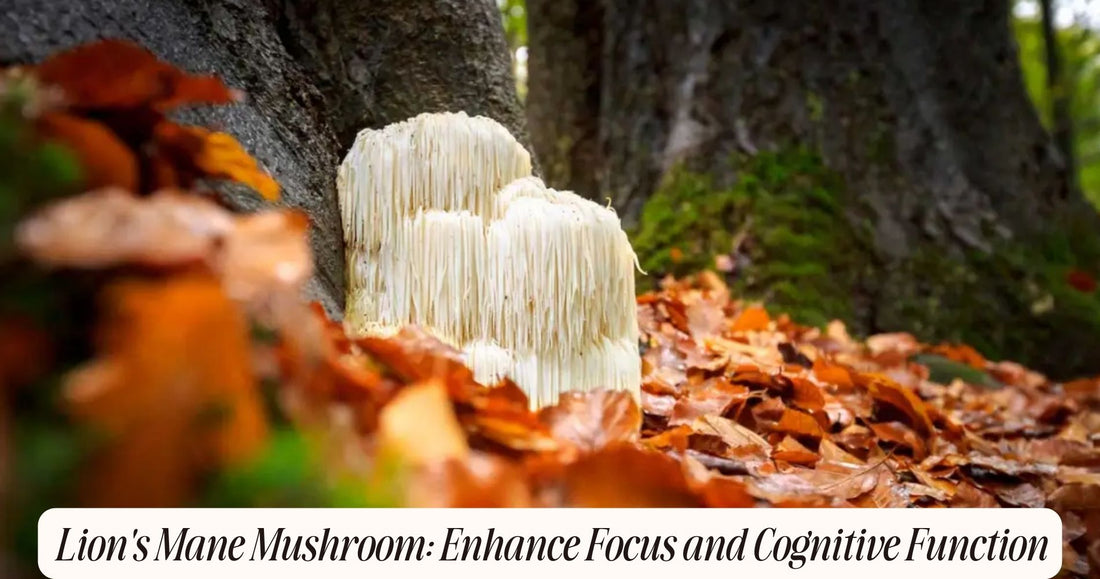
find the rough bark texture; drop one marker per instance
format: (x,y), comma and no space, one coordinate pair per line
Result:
(565,113)
(1057,87)
(918,106)
(697,80)
(315,71)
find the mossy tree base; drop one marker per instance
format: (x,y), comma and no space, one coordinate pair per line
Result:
(787,227)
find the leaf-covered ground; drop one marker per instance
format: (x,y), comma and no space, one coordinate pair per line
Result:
(206,380)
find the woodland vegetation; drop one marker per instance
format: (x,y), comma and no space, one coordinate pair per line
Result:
(868,233)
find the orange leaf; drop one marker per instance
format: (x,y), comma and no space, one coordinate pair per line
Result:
(173,392)
(621,475)
(735,435)
(900,434)
(799,423)
(592,420)
(792,451)
(832,374)
(887,391)
(501,414)
(751,319)
(266,252)
(196,152)
(105,161)
(961,353)
(117,74)
(414,355)
(713,397)
(806,395)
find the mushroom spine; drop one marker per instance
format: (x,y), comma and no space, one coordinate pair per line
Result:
(445,228)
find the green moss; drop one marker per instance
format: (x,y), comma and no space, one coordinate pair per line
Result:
(782,218)
(1014,303)
(785,221)
(687,215)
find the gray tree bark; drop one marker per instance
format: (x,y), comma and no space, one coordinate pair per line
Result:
(696,80)
(1057,87)
(918,105)
(315,72)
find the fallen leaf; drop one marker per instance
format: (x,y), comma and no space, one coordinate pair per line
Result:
(117,74)
(790,450)
(751,319)
(961,353)
(832,374)
(732,433)
(806,395)
(478,481)
(713,397)
(592,420)
(264,254)
(624,476)
(799,423)
(198,153)
(172,392)
(897,433)
(105,161)
(889,392)
(110,227)
(419,426)
(414,355)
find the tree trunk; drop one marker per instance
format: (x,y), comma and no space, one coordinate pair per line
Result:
(315,72)
(916,108)
(568,34)
(1058,89)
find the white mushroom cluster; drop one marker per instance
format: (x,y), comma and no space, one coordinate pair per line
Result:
(445,228)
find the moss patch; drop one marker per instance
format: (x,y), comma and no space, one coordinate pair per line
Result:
(782,221)
(784,224)
(1016,303)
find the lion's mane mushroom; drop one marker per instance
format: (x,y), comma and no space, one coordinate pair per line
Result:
(446,228)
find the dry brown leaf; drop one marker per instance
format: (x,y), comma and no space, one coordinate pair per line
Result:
(792,451)
(751,319)
(117,74)
(834,374)
(806,395)
(478,481)
(799,423)
(196,152)
(592,420)
(733,434)
(714,397)
(112,227)
(264,254)
(961,353)
(887,391)
(624,476)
